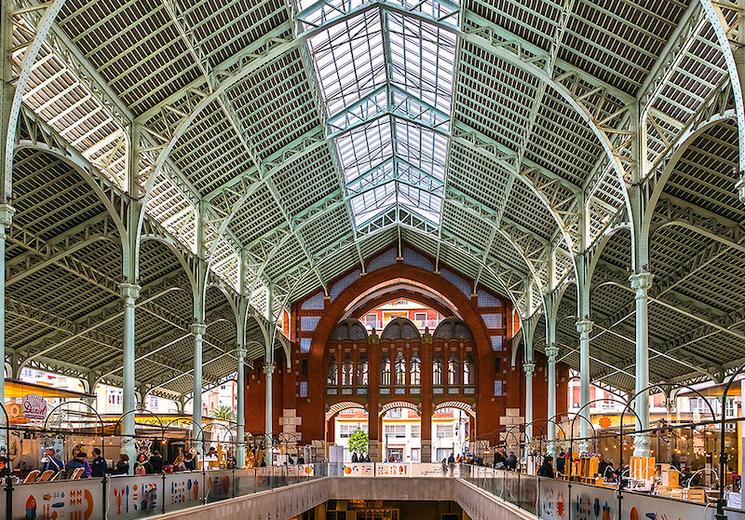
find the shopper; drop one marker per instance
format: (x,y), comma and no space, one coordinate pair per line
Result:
(52,461)
(142,466)
(547,468)
(122,465)
(156,462)
(99,468)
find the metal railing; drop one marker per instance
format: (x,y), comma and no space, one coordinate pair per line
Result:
(146,495)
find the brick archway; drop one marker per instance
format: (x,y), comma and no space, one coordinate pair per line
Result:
(490,409)
(334,312)
(372,303)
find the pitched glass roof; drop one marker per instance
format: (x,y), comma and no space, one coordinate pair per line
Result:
(386,82)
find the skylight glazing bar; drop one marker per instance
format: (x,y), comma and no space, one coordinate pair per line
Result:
(386,79)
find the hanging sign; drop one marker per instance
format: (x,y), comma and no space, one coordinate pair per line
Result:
(34,406)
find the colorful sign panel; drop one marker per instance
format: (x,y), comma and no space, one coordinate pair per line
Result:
(78,500)
(359,469)
(34,406)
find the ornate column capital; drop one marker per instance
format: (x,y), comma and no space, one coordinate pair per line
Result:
(269,369)
(241,352)
(552,352)
(129,291)
(529,369)
(198,329)
(6,215)
(584,326)
(641,281)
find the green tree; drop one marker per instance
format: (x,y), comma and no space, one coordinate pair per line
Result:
(224,413)
(357,442)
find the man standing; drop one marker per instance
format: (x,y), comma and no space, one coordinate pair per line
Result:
(99,466)
(51,461)
(156,461)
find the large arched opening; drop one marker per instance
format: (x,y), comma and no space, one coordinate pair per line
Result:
(345,359)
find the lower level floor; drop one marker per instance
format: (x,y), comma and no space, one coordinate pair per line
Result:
(384,510)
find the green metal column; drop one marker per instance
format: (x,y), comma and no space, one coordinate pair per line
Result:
(198,329)
(550,305)
(641,283)
(130,292)
(268,370)
(240,352)
(241,415)
(6,217)
(584,328)
(552,351)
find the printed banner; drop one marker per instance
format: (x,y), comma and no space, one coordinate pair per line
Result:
(386,469)
(135,497)
(359,469)
(219,485)
(183,490)
(428,470)
(75,500)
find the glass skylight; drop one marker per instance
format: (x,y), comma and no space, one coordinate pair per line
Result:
(386,80)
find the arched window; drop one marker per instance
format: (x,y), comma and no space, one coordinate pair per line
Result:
(385,371)
(437,370)
(362,371)
(333,376)
(416,369)
(453,369)
(347,370)
(400,369)
(468,370)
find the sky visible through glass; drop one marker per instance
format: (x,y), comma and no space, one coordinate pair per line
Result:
(386,78)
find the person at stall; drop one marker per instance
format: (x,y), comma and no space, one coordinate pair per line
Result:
(561,462)
(156,461)
(547,467)
(602,466)
(511,462)
(88,473)
(142,466)
(499,458)
(77,462)
(190,462)
(122,465)
(99,468)
(178,462)
(51,461)
(5,469)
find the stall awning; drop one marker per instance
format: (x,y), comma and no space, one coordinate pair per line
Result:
(17,389)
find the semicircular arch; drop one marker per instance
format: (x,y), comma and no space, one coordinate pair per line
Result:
(392,405)
(334,312)
(339,407)
(458,405)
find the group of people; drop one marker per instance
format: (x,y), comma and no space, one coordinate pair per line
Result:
(95,467)
(504,461)
(154,464)
(366,457)
(549,470)
(146,464)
